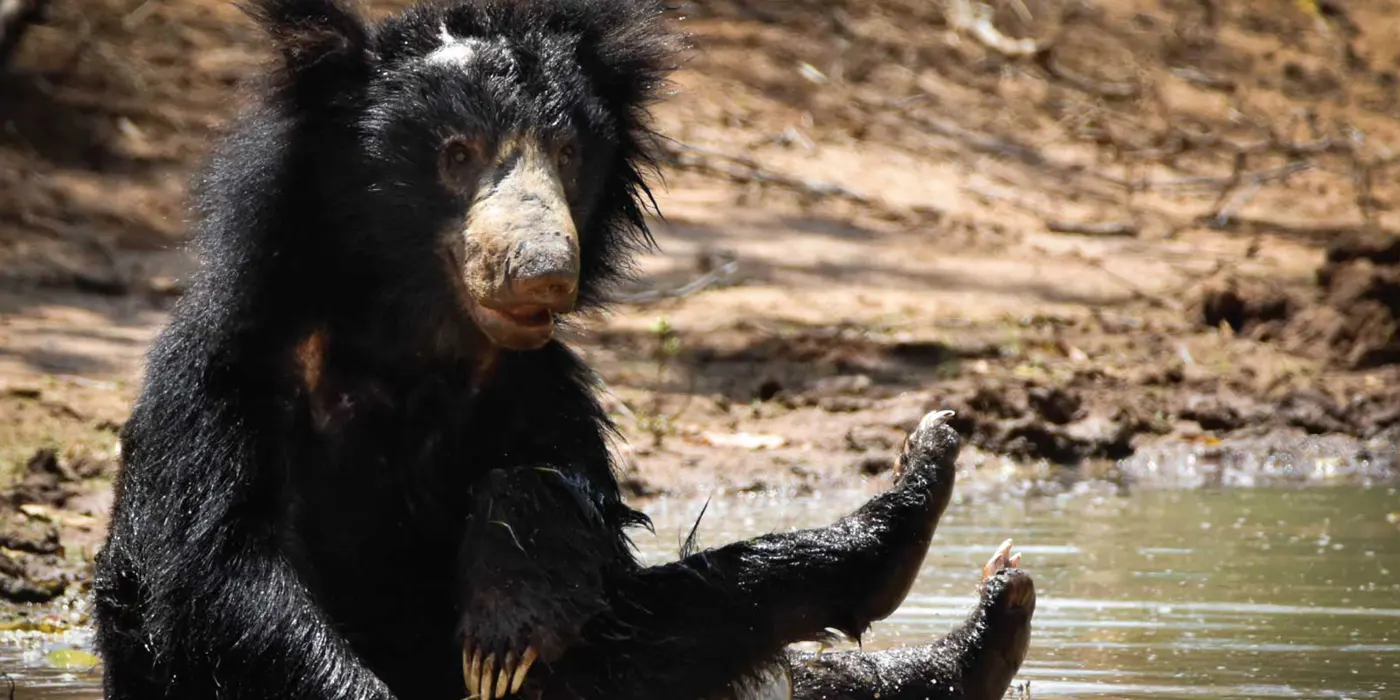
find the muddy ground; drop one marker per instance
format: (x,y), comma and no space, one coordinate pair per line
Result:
(1138,240)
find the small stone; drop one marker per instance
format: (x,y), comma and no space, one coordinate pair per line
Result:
(874,465)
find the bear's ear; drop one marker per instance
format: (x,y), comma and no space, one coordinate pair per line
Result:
(323,44)
(629,51)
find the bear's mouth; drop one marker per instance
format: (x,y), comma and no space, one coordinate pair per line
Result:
(513,326)
(523,327)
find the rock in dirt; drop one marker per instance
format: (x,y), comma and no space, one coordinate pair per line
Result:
(1054,404)
(1376,414)
(1032,439)
(1249,307)
(874,464)
(1377,246)
(870,438)
(21,533)
(836,394)
(1360,325)
(30,579)
(1218,412)
(46,481)
(1354,322)
(31,550)
(31,557)
(1314,412)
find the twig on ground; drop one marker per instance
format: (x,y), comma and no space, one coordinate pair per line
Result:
(1113,90)
(1204,79)
(1138,292)
(1236,174)
(710,279)
(1363,184)
(1241,187)
(114,283)
(979,141)
(1282,172)
(745,170)
(1181,140)
(1222,215)
(1127,229)
(1094,228)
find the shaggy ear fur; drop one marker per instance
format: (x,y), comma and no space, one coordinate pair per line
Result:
(323,44)
(628,54)
(632,54)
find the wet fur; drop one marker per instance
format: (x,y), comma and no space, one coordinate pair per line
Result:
(275,538)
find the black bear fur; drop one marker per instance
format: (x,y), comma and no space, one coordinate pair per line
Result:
(334,479)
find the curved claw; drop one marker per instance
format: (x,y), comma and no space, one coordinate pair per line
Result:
(487,671)
(1000,560)
(486,681)
(503,676)
(467,677)
(933,418)
(471,669)
(526,660)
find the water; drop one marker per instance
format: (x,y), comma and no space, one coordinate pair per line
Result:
(49,666)
(1160,594)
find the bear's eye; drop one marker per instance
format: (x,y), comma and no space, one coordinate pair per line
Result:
(566,154)
(458,153)
(460,158)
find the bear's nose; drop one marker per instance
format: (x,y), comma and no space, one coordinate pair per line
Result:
(544,271)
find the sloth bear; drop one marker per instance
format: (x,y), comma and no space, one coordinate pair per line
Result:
(361,466)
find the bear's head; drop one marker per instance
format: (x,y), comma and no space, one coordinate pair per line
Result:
(486,156)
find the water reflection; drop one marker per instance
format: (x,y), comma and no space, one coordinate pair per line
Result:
(1165,594)
(40,665)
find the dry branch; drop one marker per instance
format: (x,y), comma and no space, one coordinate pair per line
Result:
(1157,300)
(1237,178)
(1113,90)
(1093,228)
(1272,144)
(1204,79)
(710,279)
(745,170)
(113,283)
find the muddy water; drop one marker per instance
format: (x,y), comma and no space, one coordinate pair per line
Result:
(1160,594)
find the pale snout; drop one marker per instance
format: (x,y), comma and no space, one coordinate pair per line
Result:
(521,250)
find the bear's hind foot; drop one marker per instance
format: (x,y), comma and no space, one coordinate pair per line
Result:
(977,661)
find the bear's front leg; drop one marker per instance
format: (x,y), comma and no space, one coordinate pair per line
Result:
(532,569)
